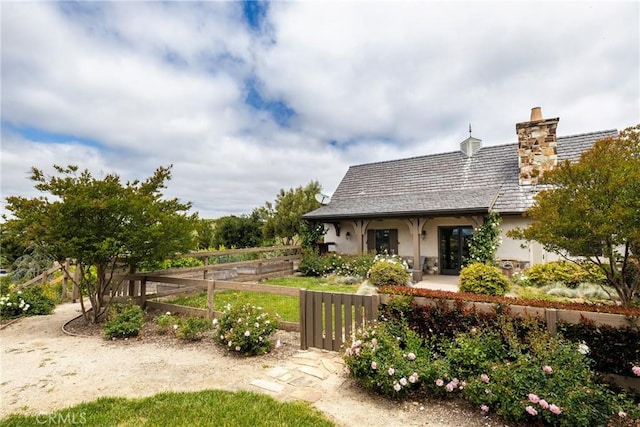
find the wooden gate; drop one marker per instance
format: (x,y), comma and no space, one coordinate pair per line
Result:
(327,319)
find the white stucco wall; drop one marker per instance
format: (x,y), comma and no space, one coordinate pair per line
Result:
(510,249)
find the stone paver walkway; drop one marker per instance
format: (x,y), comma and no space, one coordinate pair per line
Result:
(308,375)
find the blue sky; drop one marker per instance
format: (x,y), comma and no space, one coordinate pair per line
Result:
(245,98)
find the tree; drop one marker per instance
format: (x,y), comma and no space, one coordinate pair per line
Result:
(284,219)
(205,233)
(592,210)
(238,231)
(102,223)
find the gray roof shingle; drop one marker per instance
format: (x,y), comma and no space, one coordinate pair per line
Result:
(441,184)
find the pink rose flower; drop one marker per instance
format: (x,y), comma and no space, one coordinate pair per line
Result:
(547,369)
(622,414)
(391,371)
(411,356)
(553,408)
(533,398)
(484,378)
(543,404)
(403,381)
(439,382)
(484,408)
(531,410)
(636,370)
(374,365)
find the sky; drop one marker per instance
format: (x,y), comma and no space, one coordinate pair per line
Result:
(247,98)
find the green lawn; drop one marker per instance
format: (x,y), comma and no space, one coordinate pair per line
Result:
(205,408)
(287,307)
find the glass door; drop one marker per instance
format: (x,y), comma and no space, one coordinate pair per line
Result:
(453,248)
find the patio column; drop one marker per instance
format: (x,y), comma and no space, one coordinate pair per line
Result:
(415,226)
(360,229)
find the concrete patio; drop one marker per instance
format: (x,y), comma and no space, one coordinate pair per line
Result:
(438,282)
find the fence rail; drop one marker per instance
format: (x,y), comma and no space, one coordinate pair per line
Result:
(144,299)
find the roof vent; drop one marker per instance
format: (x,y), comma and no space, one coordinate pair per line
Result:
(470,146)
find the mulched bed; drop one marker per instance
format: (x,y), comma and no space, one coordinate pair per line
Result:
(150,334)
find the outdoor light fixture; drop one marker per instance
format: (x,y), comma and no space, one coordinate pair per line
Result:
(424,234)
(347,235)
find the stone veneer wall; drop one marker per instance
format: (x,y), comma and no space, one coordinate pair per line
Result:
(537,146)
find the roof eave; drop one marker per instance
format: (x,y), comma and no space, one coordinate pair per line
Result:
(386,215)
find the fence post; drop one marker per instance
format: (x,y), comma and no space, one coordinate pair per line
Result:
(132,283)
(551,317)
(205,262)
(303,319)
(143,292)
(210,299)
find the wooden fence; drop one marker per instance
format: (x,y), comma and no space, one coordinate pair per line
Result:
(327,320)
(145,299)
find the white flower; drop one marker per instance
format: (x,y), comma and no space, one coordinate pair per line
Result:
(247,333)
(583,348)
(168,313)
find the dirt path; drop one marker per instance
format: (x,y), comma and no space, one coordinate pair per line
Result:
(43,369)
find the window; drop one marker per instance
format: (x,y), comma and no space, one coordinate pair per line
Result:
(382,241)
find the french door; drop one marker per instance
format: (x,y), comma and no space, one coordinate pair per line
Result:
(453,248)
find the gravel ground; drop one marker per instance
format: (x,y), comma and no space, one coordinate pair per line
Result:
(44,369)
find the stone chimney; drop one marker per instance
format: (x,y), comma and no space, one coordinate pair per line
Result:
(537,146)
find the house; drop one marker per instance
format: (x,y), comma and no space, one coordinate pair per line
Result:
(426,208)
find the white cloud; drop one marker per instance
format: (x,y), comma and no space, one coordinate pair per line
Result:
(164,83)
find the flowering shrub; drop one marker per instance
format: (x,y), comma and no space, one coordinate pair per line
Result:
(313,264)
(245,329)
(483,279)
(13,305)
(123,321)
(513,367)
(384,361)
(388,270)
(485,240)
(29,302)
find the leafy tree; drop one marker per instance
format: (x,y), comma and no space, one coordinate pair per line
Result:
(283,219)
(10,247)
(592,210)
(238,231)
(102,224)
(205,233)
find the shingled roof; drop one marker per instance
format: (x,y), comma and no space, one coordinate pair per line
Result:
(442,184)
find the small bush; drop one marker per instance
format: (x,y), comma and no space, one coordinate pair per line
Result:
(388,271)
(123,321)
(311,263)
(565,273)
(483,279)
(165,323)
(246,329)
(192,328)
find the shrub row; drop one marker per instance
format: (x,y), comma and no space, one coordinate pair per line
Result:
(613,350)
(244,329)
(314,264)
(513,368)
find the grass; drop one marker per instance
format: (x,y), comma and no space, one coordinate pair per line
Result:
(205,408)
(287,307)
